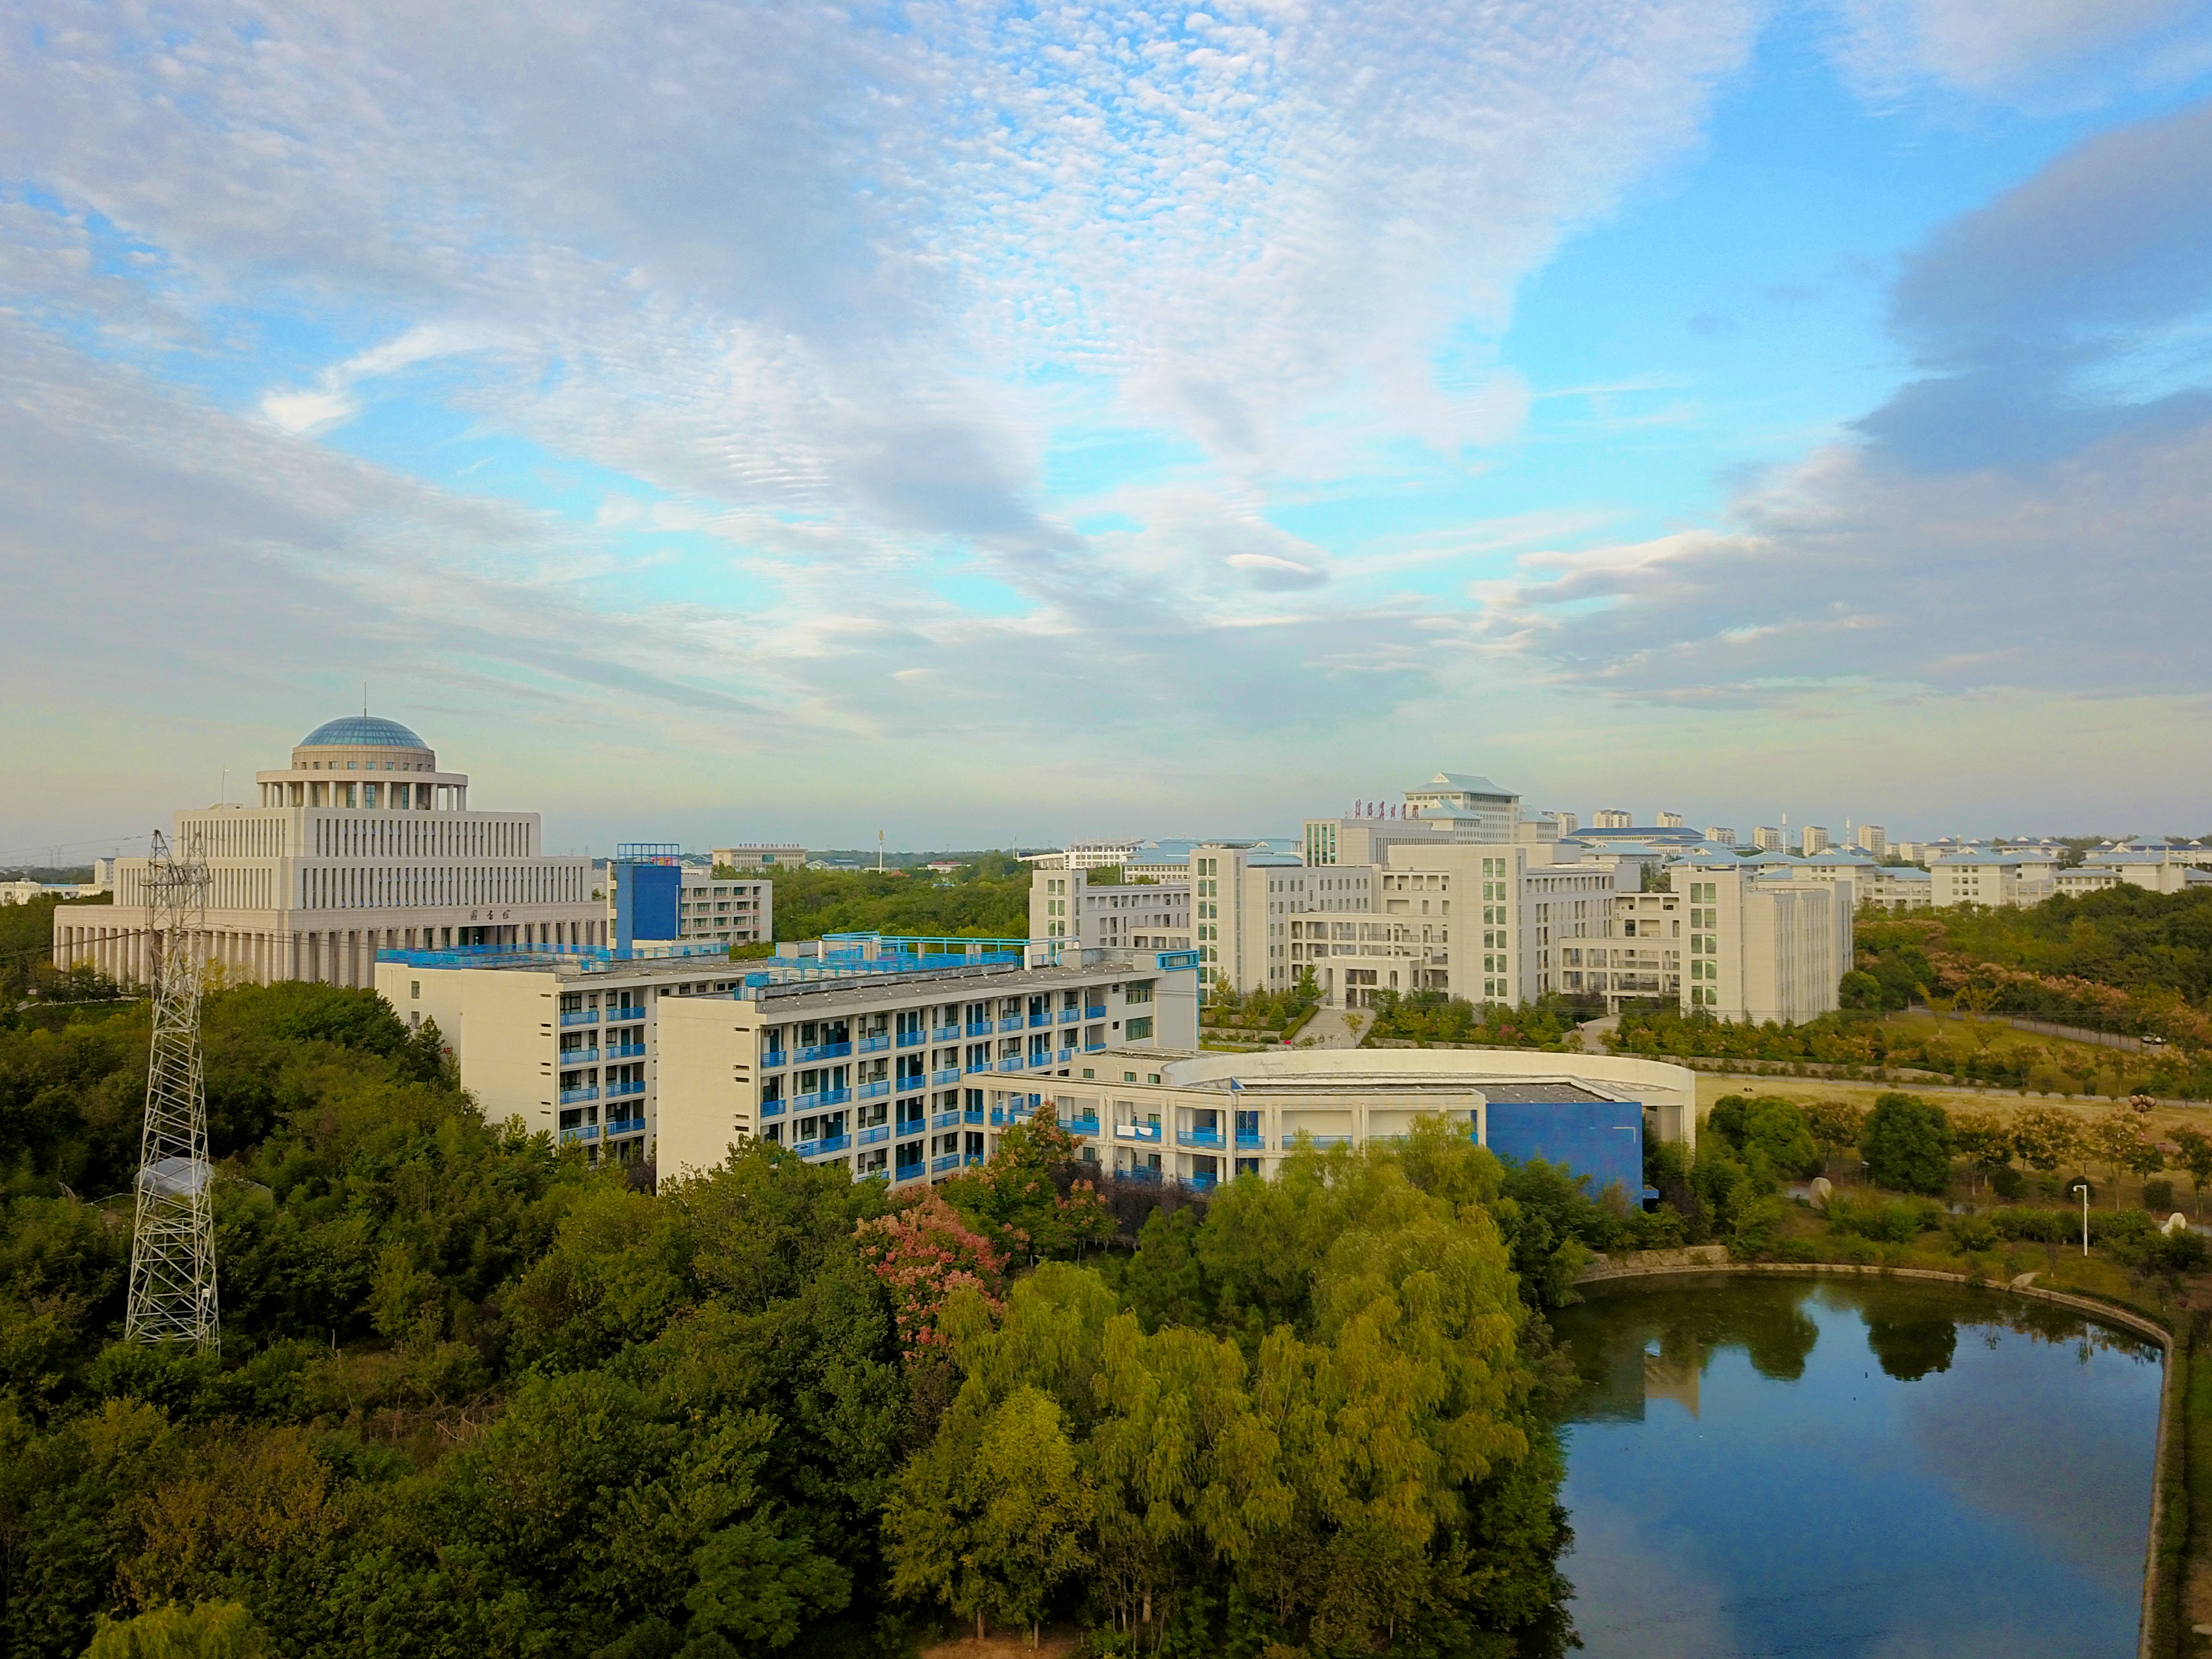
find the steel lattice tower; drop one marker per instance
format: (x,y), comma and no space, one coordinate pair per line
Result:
(173,1292)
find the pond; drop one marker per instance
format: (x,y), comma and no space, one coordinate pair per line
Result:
(1840,1467)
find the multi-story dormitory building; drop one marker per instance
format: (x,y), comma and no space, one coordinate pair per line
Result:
(362,843)
(897,1058)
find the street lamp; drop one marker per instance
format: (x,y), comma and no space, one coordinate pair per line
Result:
(2082,1187)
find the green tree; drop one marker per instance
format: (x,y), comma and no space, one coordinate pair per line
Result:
(2195,1148)
(1907,1144)
(2042,1137)
(1015,1200)
(210,1629)
(1033,1503)
(1834,1126)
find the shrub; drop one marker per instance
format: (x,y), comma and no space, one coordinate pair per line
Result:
(2007,1183)
(1886,1224)
(1970,1234)
(2158,1195)
(2029,1226)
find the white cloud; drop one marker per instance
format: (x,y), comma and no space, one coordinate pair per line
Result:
(2031,52)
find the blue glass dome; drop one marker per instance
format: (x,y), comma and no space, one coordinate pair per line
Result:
(361,731)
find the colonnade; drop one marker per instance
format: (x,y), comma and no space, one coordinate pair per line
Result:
(338,956)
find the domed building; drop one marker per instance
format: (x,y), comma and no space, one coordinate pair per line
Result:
(360,844)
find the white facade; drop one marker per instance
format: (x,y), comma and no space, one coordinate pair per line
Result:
(1066,908)
(1762,947)
(761,855)
(1992,878)
(360,844)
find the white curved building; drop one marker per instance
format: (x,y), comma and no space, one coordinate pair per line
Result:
(361,843)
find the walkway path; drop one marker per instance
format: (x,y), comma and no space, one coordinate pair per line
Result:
(1334,1028)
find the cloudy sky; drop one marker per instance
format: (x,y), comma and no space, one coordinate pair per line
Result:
(996,422)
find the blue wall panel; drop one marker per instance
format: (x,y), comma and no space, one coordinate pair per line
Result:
(1602,1140)
(646,899)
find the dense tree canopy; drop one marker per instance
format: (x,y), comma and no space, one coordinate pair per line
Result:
(474,1398)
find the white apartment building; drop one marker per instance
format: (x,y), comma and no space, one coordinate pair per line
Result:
(1759,945)
(2155,867)
(1992,878)
(1874,838)
(1813,839)
(1066,908)
(760,855)
(362,845)
(872,1035)
(905,1068)
(1254,913)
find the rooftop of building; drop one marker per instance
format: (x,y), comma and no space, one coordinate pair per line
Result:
(1495,1088)
(360,731)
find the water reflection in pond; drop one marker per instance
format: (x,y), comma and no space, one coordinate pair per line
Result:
(1845,1467)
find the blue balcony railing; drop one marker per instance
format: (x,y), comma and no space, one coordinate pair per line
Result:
(1318,1140)
(771,1108)
(979,1027)
(624,1127)
(944,1033)
(626,1052)
(1011,1062)
(1064,1056)
(978,1065)
(909,1082)
(1040,1057)
(946,1119)
(581,1016)
(1094,1048)
(1069,1015)
(972,1159)
(1248,1141)
(938,1166)
(622,1091)
(629,1011)
(775,1056)
(1208,1137)
(1011,1022)
(908,1038)
(1137,1132)
(874,1090)
(1150,1176)
(825,1051)
(972,1114)
(910,1127)
(950,1074)
(579,1056)
(576,1096)
(1205,1183)
(827,1144)
(879,1133)
(1040,1018)
(821,1097)
(875,1045)
(1081,1125)
(582,1131)
(1098,1013)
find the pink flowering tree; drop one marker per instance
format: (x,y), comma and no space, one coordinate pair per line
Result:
(922,1255)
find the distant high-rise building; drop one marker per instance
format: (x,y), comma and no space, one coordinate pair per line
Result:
(1875,839)
(1767,838)
(1721,833)
(1668,821)
(1611,818)
(1568,822)
(1813,838)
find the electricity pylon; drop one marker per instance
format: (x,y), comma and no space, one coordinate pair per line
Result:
(172,1294)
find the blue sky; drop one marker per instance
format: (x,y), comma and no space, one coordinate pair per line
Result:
(994,424)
